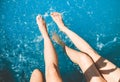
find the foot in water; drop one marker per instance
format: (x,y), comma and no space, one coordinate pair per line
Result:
(57,18)
(42,25)
(57,39)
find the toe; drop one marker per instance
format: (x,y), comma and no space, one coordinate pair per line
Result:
(39,17)
(53,13)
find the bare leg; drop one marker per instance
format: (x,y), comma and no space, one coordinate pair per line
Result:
(77,40)
(83,60)
(50,57)
(36,76)
(86,64)
(107,69)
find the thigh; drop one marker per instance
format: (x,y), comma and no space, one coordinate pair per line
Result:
(36,76)
(89,68)
(113,76)
(86,64)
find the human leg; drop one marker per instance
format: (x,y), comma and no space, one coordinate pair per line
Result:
(36,76)
(86,64)
(80,43)
(50,56)
(83,60)
(106,68)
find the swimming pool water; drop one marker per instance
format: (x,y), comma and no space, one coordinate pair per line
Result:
(21,44)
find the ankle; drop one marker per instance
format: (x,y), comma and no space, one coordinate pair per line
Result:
(64,29)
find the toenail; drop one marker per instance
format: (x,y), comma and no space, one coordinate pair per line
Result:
(39,15)
(51,13)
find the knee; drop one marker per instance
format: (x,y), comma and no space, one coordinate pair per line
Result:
(80,57)
(84,58)
(36,75)
(37,71)
(51,68)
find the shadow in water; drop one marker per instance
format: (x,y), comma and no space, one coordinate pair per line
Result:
(6,73)
(73,76)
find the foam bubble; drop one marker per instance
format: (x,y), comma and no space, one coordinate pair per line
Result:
(68,3)
(100,46)
(38,39)
(46,15)
(111,42)
(115,39)
(51,9)
(83,0)
(21,58)
(25,23)
(98,36)
(90,12)
(14,0)
(24,15)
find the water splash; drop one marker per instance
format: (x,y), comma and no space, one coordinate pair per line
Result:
(38,39)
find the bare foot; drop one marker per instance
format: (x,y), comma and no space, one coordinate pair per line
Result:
(57,39)
(58,20)
(42,25)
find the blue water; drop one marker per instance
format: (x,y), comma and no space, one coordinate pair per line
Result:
(21,44)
